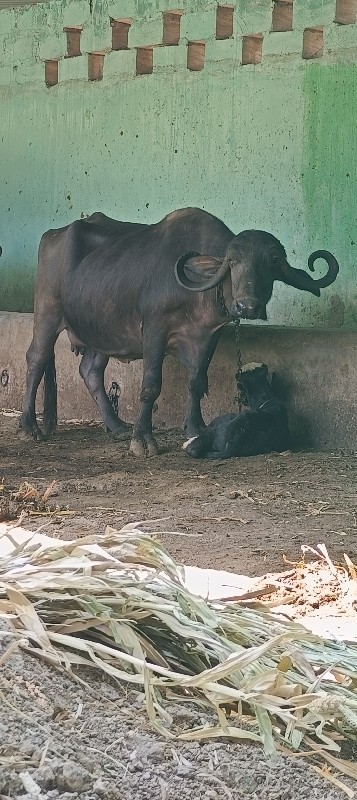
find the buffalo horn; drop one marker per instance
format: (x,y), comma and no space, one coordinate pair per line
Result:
(200,266)
(302,280)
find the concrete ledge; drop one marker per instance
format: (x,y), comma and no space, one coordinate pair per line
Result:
(317,372)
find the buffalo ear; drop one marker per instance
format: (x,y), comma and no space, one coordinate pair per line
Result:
(200,272)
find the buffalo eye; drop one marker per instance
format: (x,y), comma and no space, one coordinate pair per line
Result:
(275,262)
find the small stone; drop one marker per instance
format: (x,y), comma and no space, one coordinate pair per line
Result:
(60,706)
(109,692)
(74,778)
(45,777)
(27,747)
(184,717)
(152,751)
(107,790)
(86,762)
(100,787)
(184,769)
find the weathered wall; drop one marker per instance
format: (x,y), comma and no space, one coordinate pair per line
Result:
(271,145)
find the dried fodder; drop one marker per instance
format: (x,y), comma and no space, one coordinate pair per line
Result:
(314,589)
(27,500)
(117,601)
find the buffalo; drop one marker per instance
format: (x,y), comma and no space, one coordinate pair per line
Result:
(262,428)
(134,291)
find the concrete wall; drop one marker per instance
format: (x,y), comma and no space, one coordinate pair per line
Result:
(268,145)
(317,373)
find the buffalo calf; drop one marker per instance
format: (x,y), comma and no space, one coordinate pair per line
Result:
(261,429)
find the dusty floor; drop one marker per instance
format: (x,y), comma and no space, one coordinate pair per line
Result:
(97,744)
(242,515)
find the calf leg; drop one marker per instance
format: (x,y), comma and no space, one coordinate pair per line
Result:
(40,358)
(91,369)
(143,442)
(198,384)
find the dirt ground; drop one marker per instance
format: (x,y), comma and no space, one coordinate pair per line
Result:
(96,743)
(241,515)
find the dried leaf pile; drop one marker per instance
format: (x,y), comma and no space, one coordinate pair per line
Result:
(315,589)
(26,500)
(117,601)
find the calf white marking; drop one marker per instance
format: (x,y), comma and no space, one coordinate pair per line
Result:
(188,442)
(252,366)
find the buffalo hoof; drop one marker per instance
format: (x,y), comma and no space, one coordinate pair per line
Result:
(152,448)
(144,447)
(28,428)
(35,435)
(38,436)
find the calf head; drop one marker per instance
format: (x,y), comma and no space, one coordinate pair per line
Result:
(254,382)
(252,262)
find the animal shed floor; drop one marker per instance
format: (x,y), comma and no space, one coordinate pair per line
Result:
(245,515)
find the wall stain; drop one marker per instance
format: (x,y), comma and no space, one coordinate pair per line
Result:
(336,312)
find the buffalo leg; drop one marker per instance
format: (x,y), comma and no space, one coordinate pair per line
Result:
(91,369)
(198,385)
(50,398)
(40,359)
(143,442)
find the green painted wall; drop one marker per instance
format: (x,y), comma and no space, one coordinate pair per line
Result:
(271,146)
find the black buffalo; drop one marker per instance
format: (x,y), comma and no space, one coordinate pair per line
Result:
(121,289)
(262,428)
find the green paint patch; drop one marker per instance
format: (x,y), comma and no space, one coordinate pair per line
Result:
(329,172)
(16,288)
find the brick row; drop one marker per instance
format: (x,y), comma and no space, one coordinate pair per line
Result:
(252,44)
